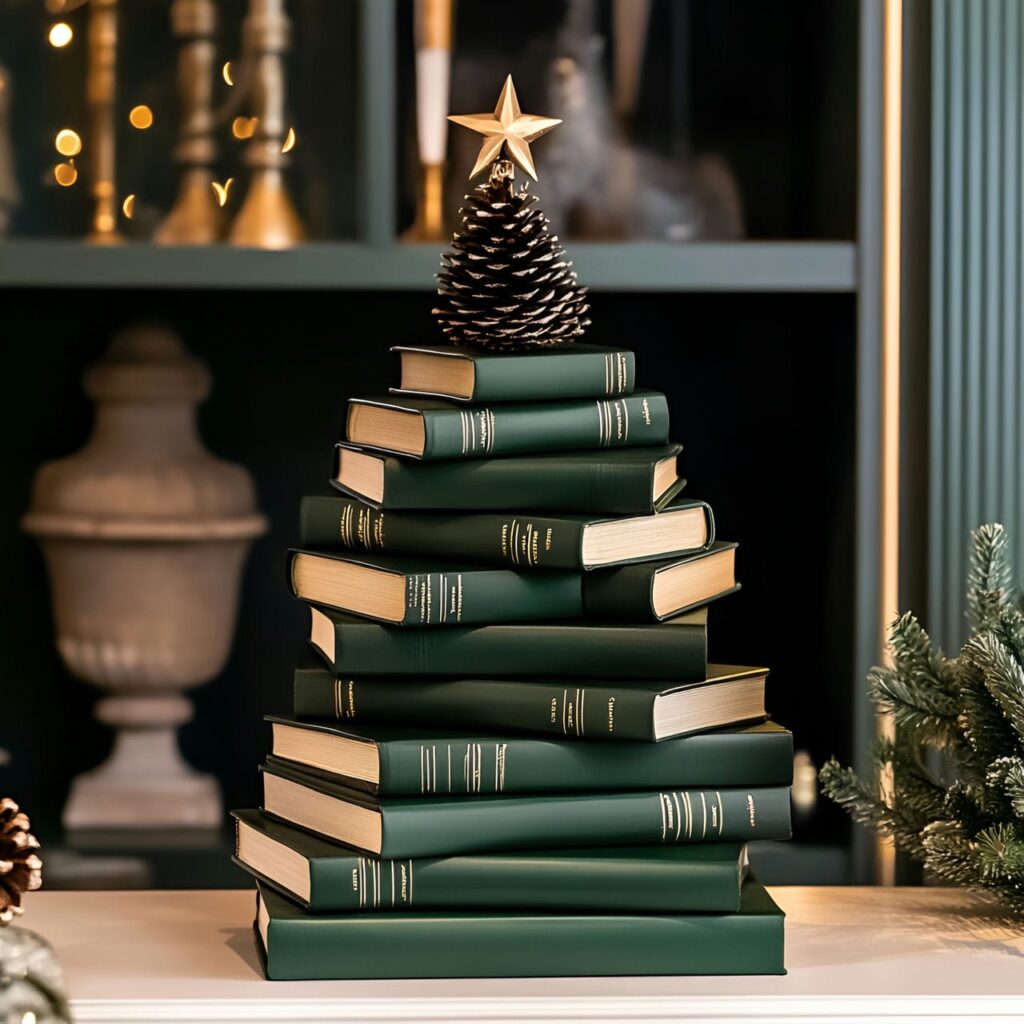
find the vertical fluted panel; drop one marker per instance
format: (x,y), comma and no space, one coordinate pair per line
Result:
(977,317)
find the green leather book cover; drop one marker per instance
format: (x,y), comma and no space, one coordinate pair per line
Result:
(295,945)
(452,430)
(617,481)
(663,879)
(417,827)
(415,762)
(572,371)
(675,649)
(519,541)
(628,593)
(432,593)
(616,710)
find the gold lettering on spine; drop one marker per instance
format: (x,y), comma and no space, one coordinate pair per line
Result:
(351,698)
(548,537)
(404,879)
(554,710)
(645,409)
(664,822)
(751,815)
(611,714)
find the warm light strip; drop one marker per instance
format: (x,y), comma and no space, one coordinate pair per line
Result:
(885,853)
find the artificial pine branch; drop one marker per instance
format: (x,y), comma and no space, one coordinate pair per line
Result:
(969,831)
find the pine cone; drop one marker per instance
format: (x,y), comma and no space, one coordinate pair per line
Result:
(506,282)
(20,868)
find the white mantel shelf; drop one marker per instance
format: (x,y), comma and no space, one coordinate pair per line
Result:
(856,954)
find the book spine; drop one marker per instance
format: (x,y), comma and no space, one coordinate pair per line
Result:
(540,484)
(492,767)
(481,431)
(507,945)
(605,881)
(523,542)
(620,594)
(555,375)
(677,652)
(496,595)
(428,828)
(613,712)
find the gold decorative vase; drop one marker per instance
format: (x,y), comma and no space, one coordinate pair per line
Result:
(144,534)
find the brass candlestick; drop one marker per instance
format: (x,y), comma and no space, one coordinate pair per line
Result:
(267,218)
(433,68)
(100,90)
(195,218)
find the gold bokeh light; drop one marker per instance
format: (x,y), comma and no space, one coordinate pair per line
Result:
(289,142)
(221,191)
(141,117)
(227,74)
(60,34)
(243,127)
(65,174)
(128,206)
(68,142)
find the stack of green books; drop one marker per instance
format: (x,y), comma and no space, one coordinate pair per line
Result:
(511,757)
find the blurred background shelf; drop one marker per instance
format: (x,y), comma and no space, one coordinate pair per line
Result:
(641,266)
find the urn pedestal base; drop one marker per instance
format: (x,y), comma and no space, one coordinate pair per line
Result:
(145,783)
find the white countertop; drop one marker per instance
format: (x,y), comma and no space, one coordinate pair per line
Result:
(853,954)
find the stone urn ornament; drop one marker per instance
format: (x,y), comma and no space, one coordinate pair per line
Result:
(144,534)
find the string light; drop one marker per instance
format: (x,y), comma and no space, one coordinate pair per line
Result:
(141,117)
(227,74)
(221,191)
(289,142)
(243,127)
(68,142)
(128,206)
(60,34)
(65,174)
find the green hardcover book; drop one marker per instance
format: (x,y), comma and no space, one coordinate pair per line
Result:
(675,649)
(570,371)
(412,592)
(428,428)
(520,541)
(324,877)
(659,590)
(295,945)
(620,709)
(396,827)
(414,762)
(619,481)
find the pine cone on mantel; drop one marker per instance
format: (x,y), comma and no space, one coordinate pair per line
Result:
(21,870)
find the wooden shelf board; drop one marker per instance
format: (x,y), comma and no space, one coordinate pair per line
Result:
(354,266)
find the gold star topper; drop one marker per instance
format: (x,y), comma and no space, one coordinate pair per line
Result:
(507,128)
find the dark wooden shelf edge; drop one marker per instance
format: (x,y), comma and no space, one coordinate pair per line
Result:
(353,266)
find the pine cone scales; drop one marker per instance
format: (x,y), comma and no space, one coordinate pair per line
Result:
(20,867)
(506,283)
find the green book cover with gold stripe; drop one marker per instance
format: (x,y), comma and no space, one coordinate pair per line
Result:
(323,876)
(517,943)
